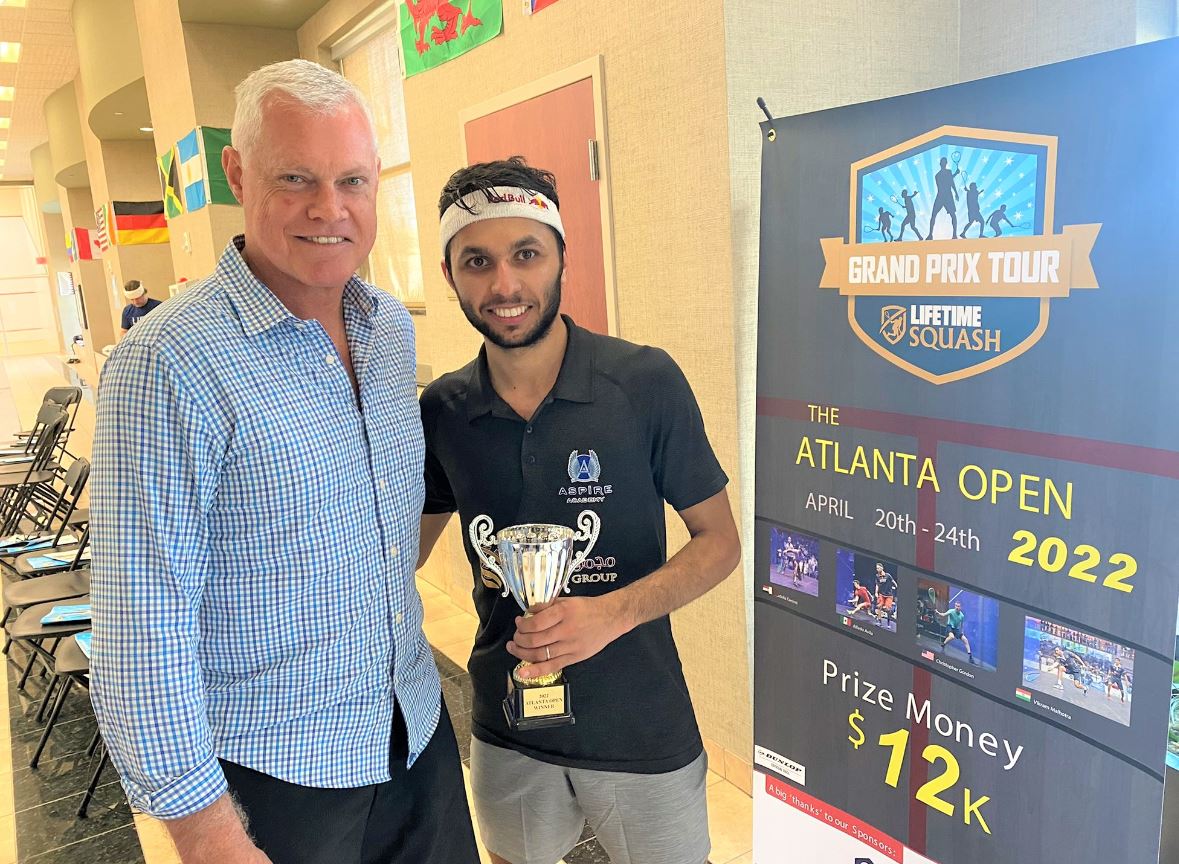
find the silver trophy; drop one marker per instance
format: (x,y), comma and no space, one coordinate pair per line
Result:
(533,563)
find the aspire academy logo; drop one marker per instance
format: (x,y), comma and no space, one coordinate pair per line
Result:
(951,261)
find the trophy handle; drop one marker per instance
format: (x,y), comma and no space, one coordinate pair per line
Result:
(589,524)
(480,532)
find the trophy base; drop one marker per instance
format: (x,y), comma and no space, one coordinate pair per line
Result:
(538,707)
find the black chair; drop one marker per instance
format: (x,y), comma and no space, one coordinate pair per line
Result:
(67,398)
(42,641)
(19,490)
(69,556)
(70,666)
(63,513)
(53,588)
(16,453)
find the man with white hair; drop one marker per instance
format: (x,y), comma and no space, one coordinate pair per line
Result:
(260,675)
(138,305)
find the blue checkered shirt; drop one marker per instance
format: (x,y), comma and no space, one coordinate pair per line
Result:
(255,536)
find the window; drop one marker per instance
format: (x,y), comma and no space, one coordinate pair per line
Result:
(369,58)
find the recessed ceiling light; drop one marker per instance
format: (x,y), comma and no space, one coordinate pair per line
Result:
(146,129)
(9,52)
(5,122)
(17,3)
(7,94)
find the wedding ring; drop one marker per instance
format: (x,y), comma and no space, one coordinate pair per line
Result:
(547,655)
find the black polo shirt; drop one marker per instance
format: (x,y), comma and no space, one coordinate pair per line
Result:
(619,434)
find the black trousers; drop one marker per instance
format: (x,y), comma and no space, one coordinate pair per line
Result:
(420,816)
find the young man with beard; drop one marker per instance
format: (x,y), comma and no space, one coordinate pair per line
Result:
(548,420)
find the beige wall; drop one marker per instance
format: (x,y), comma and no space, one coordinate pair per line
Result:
(64,128)
(1006,35)
(108,48)
(190,72)
(221,55)
(664,89)
(44,184)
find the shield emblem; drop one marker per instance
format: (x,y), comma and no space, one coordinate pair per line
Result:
(892,323)
(951,262)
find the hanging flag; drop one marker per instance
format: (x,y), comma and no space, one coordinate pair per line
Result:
(537,5)
(102,231)
(214,140)
(435,31)
(200,175)
(139,222)
(82,243)
(192,171)
(170,183)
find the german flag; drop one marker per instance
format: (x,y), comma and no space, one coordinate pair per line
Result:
(139,222)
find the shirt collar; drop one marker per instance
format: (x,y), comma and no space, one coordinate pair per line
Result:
(575,381)
(257,308)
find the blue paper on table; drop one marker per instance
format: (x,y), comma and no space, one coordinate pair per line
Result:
(83,640)
(67,614)
(18,546)
(37,562)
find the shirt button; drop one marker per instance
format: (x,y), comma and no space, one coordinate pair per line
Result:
(531,460)
(399,617)
(330,359)
(528,428)
(381,483)
(393,550)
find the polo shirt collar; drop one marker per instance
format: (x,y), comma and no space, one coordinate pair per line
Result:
(258,309)
(575,381)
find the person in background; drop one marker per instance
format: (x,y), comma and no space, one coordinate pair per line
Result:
(138,305)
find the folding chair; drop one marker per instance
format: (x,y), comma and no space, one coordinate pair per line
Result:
(64,513)
(42,641)
(67,398)
(19,489)
(73,581)
(70,666)
(15,454)
(44,562)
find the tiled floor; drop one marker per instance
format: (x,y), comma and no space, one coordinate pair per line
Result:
(37,823)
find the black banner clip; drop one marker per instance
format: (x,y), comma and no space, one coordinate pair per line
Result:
(761,103)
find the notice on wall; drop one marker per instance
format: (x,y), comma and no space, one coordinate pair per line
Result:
(968,472)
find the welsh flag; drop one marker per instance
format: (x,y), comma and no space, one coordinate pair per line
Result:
(435,31)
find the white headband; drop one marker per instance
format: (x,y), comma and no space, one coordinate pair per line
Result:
(498,202)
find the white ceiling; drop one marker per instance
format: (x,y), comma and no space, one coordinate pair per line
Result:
(48,60)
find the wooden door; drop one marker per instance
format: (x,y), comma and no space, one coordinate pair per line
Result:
(553,131)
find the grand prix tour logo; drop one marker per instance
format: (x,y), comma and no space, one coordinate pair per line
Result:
(952,263)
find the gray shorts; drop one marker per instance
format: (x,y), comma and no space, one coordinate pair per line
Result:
(533,812)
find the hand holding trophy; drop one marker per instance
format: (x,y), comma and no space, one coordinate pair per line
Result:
(534,563)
